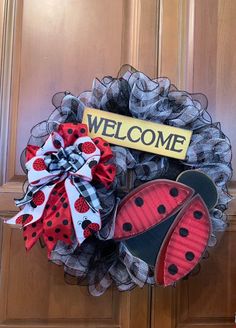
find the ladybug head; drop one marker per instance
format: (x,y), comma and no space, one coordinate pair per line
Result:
(85,223)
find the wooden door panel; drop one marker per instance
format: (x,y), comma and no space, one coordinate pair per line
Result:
(51,46)
(206,63)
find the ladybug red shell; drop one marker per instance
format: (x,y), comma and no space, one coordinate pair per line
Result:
(184,244)
(148,223)
(149,205)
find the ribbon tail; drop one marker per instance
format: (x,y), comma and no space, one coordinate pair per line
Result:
(85,220)
(29,214)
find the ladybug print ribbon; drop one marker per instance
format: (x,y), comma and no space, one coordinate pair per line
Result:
(60,198)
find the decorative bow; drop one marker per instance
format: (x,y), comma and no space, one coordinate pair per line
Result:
(60,197)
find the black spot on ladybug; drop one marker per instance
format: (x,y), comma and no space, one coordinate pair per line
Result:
(50,238)
(102,152)
(25,217)
(174,192)
(127,226)
(161,209)
(96,142)
(47,206)
(76,136)
(62,199)
(65,236)
(197,215)
(139,201)
(183,232)
(82,130)
(105,144)
(172,269)
(34,234)
(57,144)
(85,223)
(70,131)
(54,192)
(33,204)
(57,215)
(65,205)
(65,222)
(92,163)
(189,256)
(49,223)
(54,208)
(57,230)
(34,225)
(110,171)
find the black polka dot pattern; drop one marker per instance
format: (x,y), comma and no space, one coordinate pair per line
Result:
(57,215)
(65,205)
(34,234)
(161,209)
(57,230)
(183,232)
(54,208)
(139,201)
(172,269)
(50,238)
(174,192)
(70,131)
(127,226)
(82,130)
(49,223)
(189,256)
(197,215)
(65,222)
(92,164)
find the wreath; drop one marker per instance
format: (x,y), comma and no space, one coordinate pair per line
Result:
(154,229)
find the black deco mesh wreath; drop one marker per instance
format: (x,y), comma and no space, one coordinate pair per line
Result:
(100,261)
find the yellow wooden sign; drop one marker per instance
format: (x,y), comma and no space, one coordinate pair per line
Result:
(138,134)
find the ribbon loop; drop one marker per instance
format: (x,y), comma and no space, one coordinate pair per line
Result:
(59,174)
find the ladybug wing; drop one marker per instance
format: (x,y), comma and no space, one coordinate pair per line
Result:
(185,244)
(149,205)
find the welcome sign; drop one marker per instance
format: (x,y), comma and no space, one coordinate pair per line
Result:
(138,134)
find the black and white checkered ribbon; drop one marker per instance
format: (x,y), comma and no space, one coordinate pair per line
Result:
(66,160)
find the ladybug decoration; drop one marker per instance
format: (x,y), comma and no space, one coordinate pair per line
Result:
(167,224)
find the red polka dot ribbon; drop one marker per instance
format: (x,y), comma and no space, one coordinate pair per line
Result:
(61,201)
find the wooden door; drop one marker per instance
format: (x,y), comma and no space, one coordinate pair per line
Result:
(56,45)
(50,46)
(197,51)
